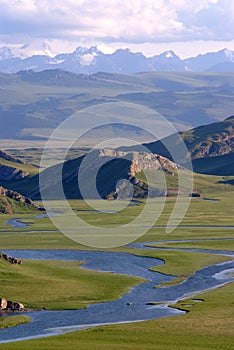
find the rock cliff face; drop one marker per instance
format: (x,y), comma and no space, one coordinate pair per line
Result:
(141,160)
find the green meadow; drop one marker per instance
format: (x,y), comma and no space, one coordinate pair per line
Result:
(208,324)
(55,285)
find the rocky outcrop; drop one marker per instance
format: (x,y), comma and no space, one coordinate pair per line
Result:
(140,160)
(6,195)
(112,167)
(8,173)
(3,303)
(10,305)
(10,259)
(7,208)
(14,306)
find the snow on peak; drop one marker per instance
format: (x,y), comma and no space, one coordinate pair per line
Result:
(5,53)
(169,54)
(47,49)
(81,50)
(229,54)
(28,50)
(87,59)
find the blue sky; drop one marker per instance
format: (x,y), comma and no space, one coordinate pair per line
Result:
(186,26)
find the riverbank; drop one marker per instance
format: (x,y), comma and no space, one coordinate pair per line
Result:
(131,307)
(208,325)
(12,321)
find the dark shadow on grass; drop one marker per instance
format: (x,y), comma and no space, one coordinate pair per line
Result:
(226,182)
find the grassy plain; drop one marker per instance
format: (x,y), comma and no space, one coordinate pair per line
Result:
(204,219)
(207,325)
(6,322)
(60,284)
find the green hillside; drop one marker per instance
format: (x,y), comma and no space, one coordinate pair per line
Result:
(211,147)
(109,176)
(211,140)
(11,167)
(15,205)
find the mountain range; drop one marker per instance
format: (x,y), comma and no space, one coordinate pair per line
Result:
(33,104)
(92,60)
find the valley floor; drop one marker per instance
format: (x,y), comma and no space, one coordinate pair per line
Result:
(207,325)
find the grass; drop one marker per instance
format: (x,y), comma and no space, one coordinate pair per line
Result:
(184,264)
(216,245)
(15,206)
(60,284)
(12,321)
(208,325)
(180,264)
(204,213)
(24,167)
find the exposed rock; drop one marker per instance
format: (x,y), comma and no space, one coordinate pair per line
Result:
(5,193)
(7,209)
(10,305)
(10,259)
(3,303)
(140,160)
(112,167)
(14,306)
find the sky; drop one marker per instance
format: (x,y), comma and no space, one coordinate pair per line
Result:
(188,27)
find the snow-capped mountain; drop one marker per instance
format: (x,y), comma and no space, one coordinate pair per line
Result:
(5,53)
(91,60)
(209,60)
(168,61)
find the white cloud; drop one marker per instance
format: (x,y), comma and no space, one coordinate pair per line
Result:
(120,20)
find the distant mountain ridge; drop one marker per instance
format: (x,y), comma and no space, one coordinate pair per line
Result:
(92,60)
(112,167)
(33,104)
(211,148)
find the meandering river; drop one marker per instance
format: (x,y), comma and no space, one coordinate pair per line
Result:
(132,307)
(137,305)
